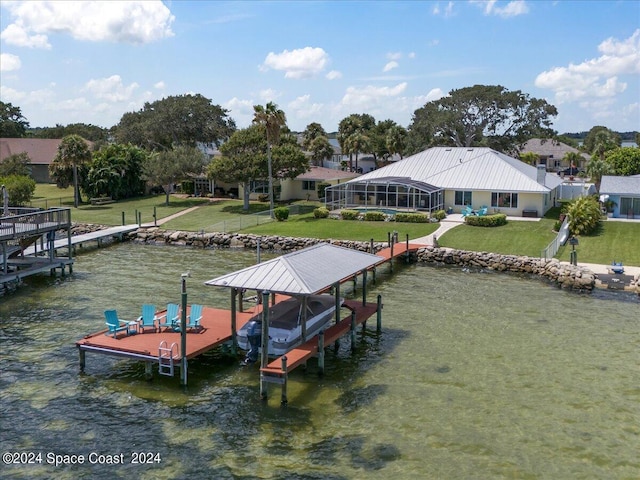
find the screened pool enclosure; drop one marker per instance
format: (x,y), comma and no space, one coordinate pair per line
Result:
(401,193)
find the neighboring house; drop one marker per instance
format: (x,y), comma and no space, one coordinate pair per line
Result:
(552,153)
(443,177)
(305,186)
(41,151)
(624,192)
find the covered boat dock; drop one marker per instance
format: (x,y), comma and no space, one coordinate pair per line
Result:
(306,272)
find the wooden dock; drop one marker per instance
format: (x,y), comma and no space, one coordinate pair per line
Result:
(215,331)
(78,240)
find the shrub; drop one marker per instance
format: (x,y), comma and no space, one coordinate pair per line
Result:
(349,214)
(188,187)
(495,220)
(321,187)
(20,188)
(439,215)
(375,217)
(411,218)
(321,212)
(281,213)
(263,197)
(584,215)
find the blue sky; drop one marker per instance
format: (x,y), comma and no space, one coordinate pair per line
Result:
(64,62)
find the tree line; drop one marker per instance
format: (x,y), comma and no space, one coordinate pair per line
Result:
(164,142)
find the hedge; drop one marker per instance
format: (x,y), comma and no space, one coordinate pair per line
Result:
(321,212)
(411,218)
(281,213)
(375,216)
(349,214)
(486,220)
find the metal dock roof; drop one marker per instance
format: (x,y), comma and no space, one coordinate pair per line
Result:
(303,272)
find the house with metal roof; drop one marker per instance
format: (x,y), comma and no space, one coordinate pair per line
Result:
(624,192)
(443,177)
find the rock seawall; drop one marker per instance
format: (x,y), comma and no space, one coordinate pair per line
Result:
(564,275)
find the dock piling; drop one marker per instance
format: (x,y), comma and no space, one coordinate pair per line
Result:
(321,352)
(353,330)
(283,395)
(82,360)
(379,315)
(148,370)
(264,360)
(183,332)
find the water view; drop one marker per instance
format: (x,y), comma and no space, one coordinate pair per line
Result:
(475,375)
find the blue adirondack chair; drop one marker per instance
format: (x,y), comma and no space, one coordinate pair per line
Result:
(195,316)
(170,318)
(617,267)
(114,324)
(148,317)
(467,211)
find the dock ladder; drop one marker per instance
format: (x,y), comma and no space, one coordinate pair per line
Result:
(166,357)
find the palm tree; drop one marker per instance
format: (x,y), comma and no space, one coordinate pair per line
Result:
(273,119)
(357,142)
(597,168)
(72,152)
(396,140)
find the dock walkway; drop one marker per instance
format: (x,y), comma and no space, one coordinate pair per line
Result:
(111,232)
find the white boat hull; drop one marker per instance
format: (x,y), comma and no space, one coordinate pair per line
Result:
(285,329)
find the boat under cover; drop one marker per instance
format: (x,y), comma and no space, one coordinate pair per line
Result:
(285,329)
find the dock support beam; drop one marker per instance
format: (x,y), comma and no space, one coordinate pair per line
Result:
(353,330)
(148,370)
(183,332)
(283,395)
(264,360)
(364,288)
(234,339)
(321,352)
(379,315)
(82,360)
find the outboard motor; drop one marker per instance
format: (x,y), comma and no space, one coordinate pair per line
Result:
(254,337)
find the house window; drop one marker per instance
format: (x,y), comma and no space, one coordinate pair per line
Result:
(462,198)
(504,200)
(309,185)
(629,205)
(259,186)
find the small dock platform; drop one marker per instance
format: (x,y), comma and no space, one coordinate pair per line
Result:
(215,331)
(78,240)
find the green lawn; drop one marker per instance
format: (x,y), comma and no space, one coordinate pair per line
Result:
(49,196)
(514,238)
(308,226)
(618,241)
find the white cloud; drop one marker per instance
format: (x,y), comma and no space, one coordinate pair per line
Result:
(394,55)
(110,89)
(9,62)
(511,9)
(390,66)
(364,98)
(302,108)
(268,95)
(18,36)
(598,77)
(133,22)
(447,12)
(300,63)
(159,85)
(333,75)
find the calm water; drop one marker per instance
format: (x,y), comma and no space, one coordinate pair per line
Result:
(475,375)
